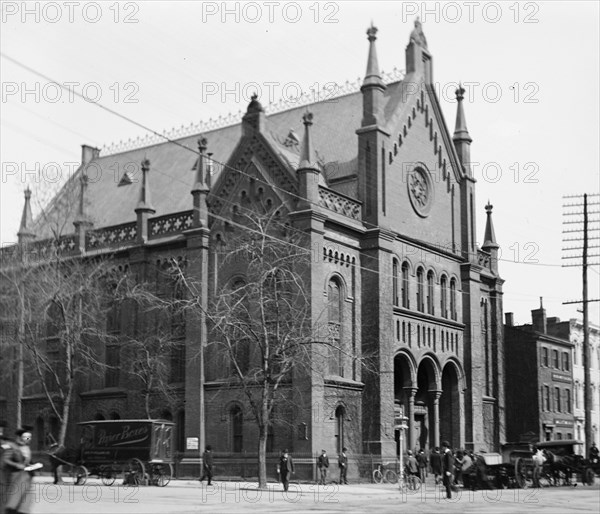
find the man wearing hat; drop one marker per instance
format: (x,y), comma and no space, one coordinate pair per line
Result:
(447,468)
(285,468)
(343,465)
(323,465)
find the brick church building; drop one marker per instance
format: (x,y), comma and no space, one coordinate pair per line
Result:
(380,185)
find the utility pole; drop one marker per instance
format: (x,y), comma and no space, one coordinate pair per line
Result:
(576,237)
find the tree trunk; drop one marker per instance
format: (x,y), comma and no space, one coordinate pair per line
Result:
(66,410)
(262,456)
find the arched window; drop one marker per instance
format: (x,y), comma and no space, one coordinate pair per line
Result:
(430,309)
(395,299)
(236,420)
(420,291)
(340,413)
(453,299)
(334,313)
(444,296)
(405,301)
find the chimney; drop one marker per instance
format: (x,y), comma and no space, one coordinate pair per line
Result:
(509,318)
(538,318)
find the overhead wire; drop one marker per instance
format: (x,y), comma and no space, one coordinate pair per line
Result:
(226,166)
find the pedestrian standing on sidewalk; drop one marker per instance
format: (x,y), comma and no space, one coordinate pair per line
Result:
(323,466)
(343,465)
(436,464)
(422,461)
(285,468)
(207,465)
(447,468)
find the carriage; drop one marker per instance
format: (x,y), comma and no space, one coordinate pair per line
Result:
(564,465)
(139,450)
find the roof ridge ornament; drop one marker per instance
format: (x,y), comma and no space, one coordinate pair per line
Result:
(417,35)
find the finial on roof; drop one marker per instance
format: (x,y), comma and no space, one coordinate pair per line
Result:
(417,35)
(25,232)
(372,75)
(254,106)
(201,179)
(489,237)
(307,154)
(145,203)
(460,130)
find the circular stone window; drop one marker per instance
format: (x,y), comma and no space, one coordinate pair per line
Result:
(420,191)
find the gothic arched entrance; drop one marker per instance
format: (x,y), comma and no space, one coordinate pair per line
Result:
(425,410)
(450,408)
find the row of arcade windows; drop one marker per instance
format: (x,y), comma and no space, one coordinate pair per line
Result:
(425,293)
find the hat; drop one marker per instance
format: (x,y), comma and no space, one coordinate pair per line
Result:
(323,451)
(446,444)
(409,452)
(344,449)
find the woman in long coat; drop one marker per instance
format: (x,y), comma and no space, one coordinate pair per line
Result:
(16,457)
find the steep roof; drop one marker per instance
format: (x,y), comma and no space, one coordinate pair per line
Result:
(172,165)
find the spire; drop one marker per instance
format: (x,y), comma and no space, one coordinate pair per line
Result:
(418,58)
(200,182)
(462,139)
(25,232)
(307,153)
(308,169)
(373,87)
(145,204)
(460,131)
(489,238)
(200,189)
(81,214)
(372,76)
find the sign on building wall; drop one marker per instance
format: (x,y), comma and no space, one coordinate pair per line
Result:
(191,443)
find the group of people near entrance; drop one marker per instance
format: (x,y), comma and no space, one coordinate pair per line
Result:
(446,466)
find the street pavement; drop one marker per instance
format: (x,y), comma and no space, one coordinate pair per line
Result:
(187,496)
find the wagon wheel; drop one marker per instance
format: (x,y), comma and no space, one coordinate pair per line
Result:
(588,476)
(521,474)
(79,475)
(134,472)
(108,475)
(162,474)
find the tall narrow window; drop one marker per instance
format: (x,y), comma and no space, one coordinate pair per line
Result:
(555,359)
(339,428)
(544,356)
(567,400)
(444,296)
(557,406)
(547,398)
(405,301)
(237,429)
(240,348)
(453,299)
(334,311)
(566,364)
(430,308)
(420,291)
(395,299)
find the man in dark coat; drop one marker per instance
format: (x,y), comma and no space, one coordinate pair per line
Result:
(422,461)
(323,466)
(436,464)
(447,468)
(207,465)
(285,468)
(343,465)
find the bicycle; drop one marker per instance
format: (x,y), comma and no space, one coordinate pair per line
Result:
(381,475)
(409,482)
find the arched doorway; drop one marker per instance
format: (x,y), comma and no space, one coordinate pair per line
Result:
(403,391)
(450,409)
(424,410)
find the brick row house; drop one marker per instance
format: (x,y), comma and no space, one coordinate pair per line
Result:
(385,192)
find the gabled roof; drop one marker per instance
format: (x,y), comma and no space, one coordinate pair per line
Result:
(172,165)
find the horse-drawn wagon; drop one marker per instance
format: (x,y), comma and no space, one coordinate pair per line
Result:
(141,450)
(564,465)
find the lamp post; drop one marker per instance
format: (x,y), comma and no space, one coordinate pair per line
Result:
(402,426)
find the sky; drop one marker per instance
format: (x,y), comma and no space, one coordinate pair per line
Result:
(530,70)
